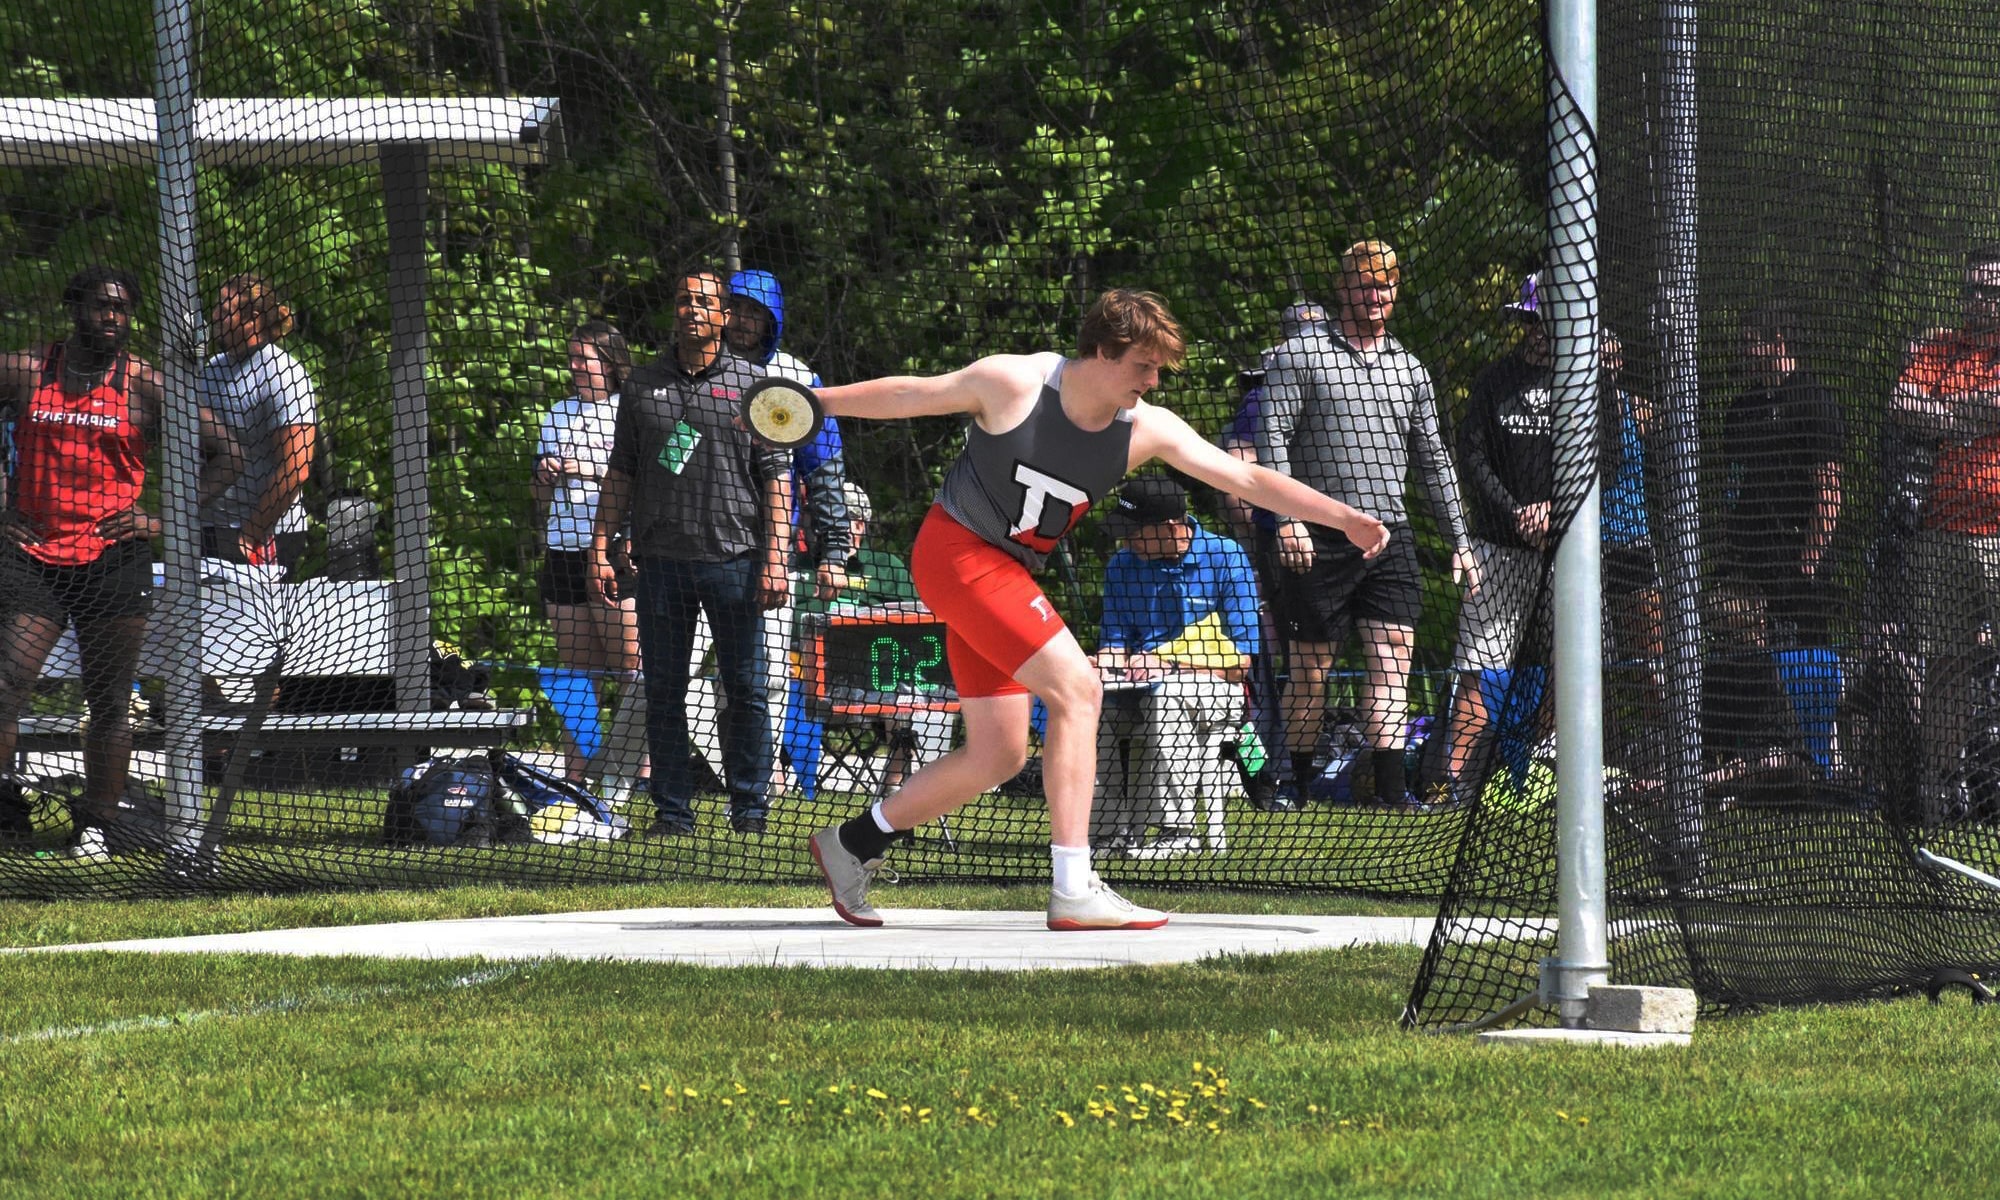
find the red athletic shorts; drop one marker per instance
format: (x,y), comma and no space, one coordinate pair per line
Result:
(994,613)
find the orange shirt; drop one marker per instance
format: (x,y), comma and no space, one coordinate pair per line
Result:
(1965,491)
(81,460)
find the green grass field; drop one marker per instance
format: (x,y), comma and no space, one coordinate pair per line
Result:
(128,1075)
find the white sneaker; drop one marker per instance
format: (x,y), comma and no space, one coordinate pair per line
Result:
(847,877)
(1173,846)
(1098,907)
(89,845)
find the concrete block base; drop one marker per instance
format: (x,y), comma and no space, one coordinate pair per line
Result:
(1641,1009)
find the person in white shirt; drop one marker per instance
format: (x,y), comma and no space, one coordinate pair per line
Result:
(595,639)
(265,397)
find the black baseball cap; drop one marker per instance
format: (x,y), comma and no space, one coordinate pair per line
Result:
(1146,500)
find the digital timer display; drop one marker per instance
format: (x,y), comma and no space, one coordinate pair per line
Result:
(903,656)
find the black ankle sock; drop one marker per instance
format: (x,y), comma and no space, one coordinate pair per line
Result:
(1390,783)
(861,838)
(1302,768)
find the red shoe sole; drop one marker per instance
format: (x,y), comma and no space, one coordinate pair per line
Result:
(1064,926)
(850,918)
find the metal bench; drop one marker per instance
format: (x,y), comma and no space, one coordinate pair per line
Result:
(280,731)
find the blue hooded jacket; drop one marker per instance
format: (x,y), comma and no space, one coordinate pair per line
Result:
(819,468)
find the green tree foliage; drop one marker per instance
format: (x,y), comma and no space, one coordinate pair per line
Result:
(932,181)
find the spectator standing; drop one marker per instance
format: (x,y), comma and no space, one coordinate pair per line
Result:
(1345,409)
(597,638)
(265,397)
(1180,624)
(1950,393)
(1782,445)
(74,542)
(1251,527)
(710,511)
(1506,458)
(821,545)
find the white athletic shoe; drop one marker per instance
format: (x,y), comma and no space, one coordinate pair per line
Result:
(1098,907)
(1174,846)
(89,845)
(847,877)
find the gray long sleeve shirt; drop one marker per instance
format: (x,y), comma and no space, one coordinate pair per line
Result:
(1346,424)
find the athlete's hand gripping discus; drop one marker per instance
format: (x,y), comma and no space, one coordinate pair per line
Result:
(781,412)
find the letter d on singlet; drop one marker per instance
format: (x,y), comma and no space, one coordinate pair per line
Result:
(1041,489)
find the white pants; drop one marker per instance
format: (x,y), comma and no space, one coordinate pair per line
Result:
(1158,748)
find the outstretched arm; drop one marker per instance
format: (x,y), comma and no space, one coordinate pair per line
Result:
(1157,433)
(976,390)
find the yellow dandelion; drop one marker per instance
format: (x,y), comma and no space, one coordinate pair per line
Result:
(1176,1118)
(922,1112)
(784,1102)
(1068,1121)
(1256,1103)
(877,1094)
(1197,1066)
(689,1092)
(846,1112)
(1215,1127)
(1137,1114)
(973,1112)
(1583,1120)
(740,1089)
(905,1109)
(728,1103)
(645,1087)
(1312,1108)
(1561,1115)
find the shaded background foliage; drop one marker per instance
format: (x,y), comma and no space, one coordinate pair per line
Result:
(931,181)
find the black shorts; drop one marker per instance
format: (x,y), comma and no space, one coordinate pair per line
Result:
(119,584)
(1342,587)
(566,578)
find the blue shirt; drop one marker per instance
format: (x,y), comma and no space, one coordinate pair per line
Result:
(1148,602)
(1623,518)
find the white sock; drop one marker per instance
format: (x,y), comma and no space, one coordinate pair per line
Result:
(1072,867)
(881,822)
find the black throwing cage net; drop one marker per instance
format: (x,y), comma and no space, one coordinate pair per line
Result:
(441,308)
(1799,641)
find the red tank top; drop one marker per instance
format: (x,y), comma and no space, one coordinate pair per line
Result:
(81,459)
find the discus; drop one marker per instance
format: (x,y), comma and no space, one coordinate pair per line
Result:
(781,412)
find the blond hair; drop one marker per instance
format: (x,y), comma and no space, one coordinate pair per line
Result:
(1370,261)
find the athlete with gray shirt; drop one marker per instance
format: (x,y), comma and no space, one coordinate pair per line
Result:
(1346,407)
(1049,437)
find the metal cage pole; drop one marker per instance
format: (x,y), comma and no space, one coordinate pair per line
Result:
(183,335)
(1582,944)
(1676,329)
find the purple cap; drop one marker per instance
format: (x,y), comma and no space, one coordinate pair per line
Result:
(1530,303)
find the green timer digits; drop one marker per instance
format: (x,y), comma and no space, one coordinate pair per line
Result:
(886,657)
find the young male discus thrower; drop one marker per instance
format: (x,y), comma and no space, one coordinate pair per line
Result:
(1049,436)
